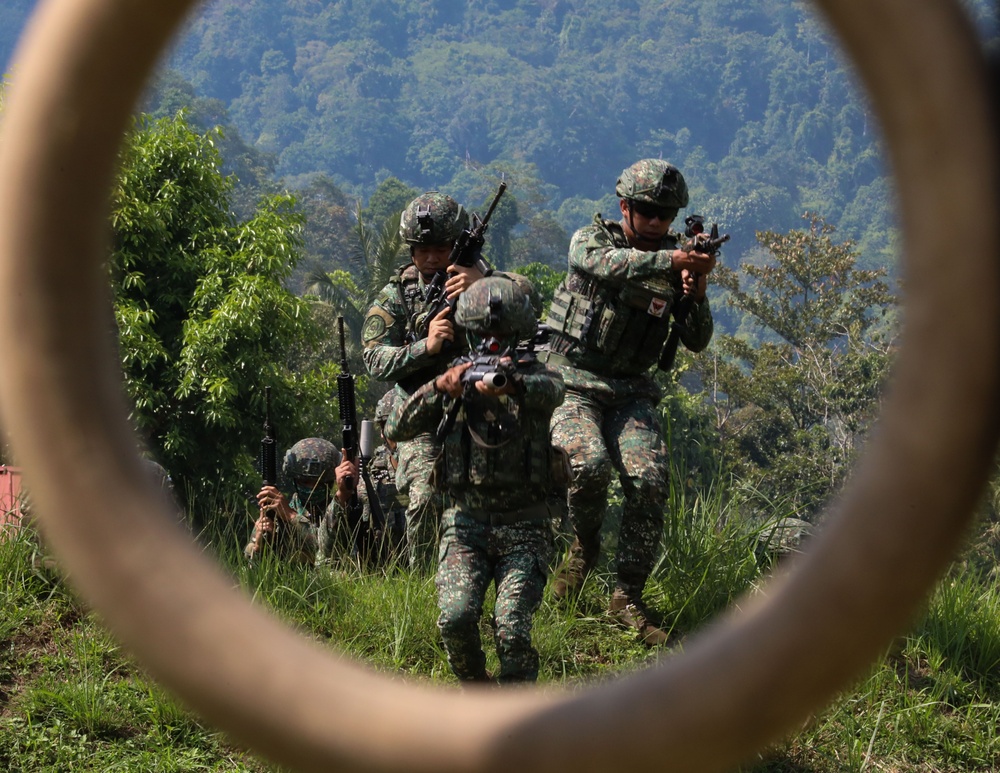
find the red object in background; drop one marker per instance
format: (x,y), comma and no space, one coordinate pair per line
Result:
(10,496)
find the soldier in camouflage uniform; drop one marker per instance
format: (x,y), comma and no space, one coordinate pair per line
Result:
(610,318)
(497,471)
(310,467)
(395,350)
(388,539)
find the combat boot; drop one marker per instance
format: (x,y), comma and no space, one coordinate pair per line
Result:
(633,613)
(580,562)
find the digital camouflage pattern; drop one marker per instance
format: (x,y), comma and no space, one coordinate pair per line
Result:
(529,289)
(311,462)
(653,181)
(309,471)
(483,538)
(431,219)
(294,542)
(382,471)
(417,458)
(628,296)
(609,422)
(392,354)
(336,541)
(497,306)
(384,408)
(472,555)
(616,429)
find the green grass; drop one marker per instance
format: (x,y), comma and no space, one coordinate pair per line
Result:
(72,700)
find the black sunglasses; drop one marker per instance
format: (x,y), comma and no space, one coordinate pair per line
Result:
(649,211)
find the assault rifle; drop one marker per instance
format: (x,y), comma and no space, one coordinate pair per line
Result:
(269,453)
(492,364)
(465,252)
(694,230)
(350,444)
(268,445)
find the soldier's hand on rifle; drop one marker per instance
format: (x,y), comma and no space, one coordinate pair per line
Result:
(460,279)
(263,528)
(441,329)
(272,505)
(347,479)
(694,284)
(272,502)
(698,262)
(450,382)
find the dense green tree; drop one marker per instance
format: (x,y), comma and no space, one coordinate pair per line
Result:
(377,252)
(542,240)
(388,200)
(793,406)
(545,280)
(328,230)
(252,169)
(204,321)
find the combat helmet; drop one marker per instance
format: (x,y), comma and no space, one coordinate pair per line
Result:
(653,181)
(528,287)
(310,464)
(385,407)
(432,218)
(496,306)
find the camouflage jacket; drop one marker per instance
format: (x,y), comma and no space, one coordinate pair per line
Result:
(382,471)
(391,351)
(334,533)
(498,451)
(613,311)
(295,541)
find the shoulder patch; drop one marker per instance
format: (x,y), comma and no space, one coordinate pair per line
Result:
(376,324)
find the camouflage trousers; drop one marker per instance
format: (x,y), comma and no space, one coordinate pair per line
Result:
(516,558)
(602,434)
(423,514)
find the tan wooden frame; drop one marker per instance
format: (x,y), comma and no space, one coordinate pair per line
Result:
(749,678)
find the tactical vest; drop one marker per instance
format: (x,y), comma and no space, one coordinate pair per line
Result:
(383,475)
(408,285)
(493,446)
(607,329)
(407,282)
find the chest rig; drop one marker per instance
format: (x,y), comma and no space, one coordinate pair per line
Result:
(493,444)
(615,330)
(411,293)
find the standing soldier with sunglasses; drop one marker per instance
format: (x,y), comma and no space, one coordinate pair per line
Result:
(610,319)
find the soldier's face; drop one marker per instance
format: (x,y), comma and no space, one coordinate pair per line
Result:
(645,226)
(430,258)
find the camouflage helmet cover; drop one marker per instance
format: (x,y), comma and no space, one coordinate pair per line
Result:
(496,306)
(653,181)
(529,289)
(309,459)
(385,407)
(432,218)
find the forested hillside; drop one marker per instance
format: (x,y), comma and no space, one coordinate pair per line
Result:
(752,101)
